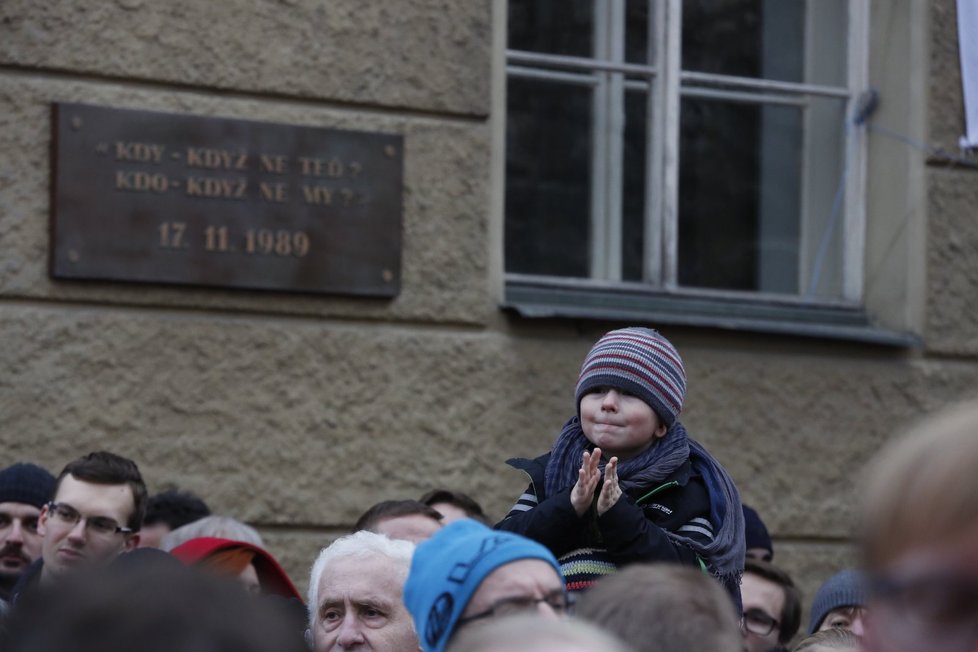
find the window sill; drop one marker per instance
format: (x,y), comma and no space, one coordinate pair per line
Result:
(544,298)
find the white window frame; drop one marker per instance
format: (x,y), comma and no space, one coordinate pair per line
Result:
(668,83)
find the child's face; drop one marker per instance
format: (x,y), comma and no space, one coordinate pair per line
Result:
(618,423)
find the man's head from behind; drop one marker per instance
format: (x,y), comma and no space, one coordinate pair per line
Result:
(355,595)
(148,601)
(530,633)
(677,607)
(772,606)
(453,505)
(468,573)
(920,533)
(95,513)
(168,510)
(24,490)
(410,520)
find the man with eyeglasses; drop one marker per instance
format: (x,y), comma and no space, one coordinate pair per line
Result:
(94,515)
(468,574)
(772,607)
(24,489)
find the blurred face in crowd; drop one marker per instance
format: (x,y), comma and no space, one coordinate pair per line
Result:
(150,536)
(927,599)
(449,512)
(79,526)
(763,606)
(618,423)
(761,554)
(249,579)
(522,586)
(20,544)
(410,527)
(850,618)
(361,607)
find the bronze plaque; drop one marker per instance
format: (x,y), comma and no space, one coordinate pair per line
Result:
(169,198)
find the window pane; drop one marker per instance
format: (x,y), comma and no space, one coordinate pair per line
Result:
(718,194)
(822,232)
(552,26)
(783,40)
(548,177)
(637,31)
(756,191)
(634,180)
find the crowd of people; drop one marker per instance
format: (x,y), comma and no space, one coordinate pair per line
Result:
(630,536)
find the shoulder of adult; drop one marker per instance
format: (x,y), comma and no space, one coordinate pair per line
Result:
(29,579)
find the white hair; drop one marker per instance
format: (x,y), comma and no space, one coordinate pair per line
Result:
(358,545)
(223,527)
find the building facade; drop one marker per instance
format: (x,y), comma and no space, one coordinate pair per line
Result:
(296,411)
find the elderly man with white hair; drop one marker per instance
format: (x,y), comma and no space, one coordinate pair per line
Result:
(356,596)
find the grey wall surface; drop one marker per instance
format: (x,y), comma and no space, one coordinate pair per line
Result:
(297,412)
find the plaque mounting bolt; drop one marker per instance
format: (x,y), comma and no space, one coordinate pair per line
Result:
(73,255)
(76,123)
(391,151)
(388,275)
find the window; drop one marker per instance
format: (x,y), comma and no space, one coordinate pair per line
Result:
(694,150)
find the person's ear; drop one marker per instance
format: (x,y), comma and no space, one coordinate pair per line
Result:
(660,430)
(42,521)
(132,542)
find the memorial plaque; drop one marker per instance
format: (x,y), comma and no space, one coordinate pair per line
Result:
(169,198)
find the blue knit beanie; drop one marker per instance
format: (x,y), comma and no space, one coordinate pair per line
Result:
(448,568)
(26,483)
(844,589)
(641,362)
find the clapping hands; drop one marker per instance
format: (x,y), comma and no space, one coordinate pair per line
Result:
(587,480)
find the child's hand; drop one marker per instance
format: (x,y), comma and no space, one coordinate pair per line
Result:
(587,481)
(611,491)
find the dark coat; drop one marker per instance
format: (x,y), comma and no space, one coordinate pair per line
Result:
(633,530)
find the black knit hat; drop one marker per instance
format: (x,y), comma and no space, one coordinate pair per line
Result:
(755,532)
(26,483)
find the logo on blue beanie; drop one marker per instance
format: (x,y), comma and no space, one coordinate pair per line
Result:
(439,618)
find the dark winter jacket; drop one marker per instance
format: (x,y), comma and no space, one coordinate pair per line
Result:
(633,530)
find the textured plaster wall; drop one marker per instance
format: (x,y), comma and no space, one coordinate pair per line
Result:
(297,412)
(291,412)
(444,197)
(952,312)
(425,55)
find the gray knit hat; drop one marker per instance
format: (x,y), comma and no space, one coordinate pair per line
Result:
(641,362)
(844,589)
(26,483)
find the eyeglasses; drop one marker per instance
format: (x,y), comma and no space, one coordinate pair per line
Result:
(98,525)
(28,524)
(757,622)
(556,600)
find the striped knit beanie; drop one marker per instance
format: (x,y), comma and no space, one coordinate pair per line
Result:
(641,362)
